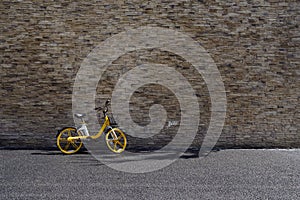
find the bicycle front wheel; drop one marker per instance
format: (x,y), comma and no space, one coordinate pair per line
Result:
(116,140)
(65,146)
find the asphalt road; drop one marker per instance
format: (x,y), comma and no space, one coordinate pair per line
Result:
(228,174)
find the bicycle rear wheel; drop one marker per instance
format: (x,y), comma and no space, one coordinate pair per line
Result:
(65,146)
(116,140)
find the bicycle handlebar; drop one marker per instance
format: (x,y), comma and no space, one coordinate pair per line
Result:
(105,107)
(98,108)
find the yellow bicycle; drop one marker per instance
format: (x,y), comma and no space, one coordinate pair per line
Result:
(69,139)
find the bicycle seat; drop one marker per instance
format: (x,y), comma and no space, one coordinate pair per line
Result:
(80,115)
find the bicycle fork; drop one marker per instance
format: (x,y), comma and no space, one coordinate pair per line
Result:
(114,135)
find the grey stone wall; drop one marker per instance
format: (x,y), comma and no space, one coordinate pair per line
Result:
(255,45)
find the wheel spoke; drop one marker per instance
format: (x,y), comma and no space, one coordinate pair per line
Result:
(63,139)
(74,145)
(67,146)
(69,133)
(120,144)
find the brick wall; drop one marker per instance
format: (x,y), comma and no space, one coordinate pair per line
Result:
(255,45)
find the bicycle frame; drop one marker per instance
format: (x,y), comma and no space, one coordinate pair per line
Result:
(105,124)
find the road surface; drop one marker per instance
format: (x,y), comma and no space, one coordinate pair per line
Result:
(226,174)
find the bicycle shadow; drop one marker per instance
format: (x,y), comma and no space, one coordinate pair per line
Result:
(85,158)
(56,152)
